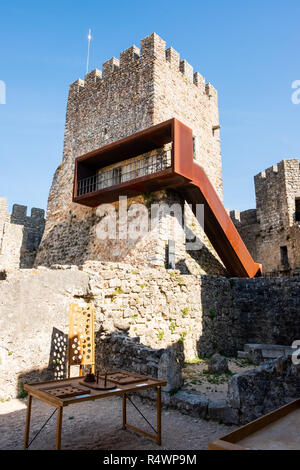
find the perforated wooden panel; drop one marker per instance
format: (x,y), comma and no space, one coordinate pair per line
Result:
(81,342)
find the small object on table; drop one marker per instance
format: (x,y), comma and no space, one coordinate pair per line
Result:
(90,377)
(100,385)
(97,382)
(124,378)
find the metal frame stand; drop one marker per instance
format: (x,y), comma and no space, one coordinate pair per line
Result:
(157,436)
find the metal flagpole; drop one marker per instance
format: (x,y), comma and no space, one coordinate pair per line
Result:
(88,54)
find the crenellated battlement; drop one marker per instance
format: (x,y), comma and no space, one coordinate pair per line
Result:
(276,189)
(187,70)
(20,235)
(152,48)
(267,177)
(173,57)
(92,77)
(276,174)
(19,216)
(244,218)
(129,55)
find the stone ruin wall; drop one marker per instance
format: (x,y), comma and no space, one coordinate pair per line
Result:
(157,310)
(248,228)
(272,224)
(140,90)
(20,235)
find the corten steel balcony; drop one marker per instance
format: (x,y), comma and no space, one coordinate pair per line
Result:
(90,190)
(133,169)
(96,184)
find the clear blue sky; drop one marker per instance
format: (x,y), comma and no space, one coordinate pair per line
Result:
(248,50)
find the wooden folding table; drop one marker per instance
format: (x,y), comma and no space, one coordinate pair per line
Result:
(39,391)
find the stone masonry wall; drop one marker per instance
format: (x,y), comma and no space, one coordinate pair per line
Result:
(20,235)
(268,309)
(33,314)
(118,351)
(248,227)
(151,311)
(140,90)
(192,313)
(273,225)
(259,391)
(195,314)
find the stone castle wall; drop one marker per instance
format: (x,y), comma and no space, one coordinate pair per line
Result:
(141,89)
(154,309)
(248,227)
(165,308)
(20,235)
(33,314)
(273,224)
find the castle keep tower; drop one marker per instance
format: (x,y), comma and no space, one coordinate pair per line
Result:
(277,197)
(271,232)
(144,88)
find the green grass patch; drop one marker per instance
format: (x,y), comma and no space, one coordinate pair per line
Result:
(172,326)
(184,312)
(196,360)
(212,313)
(160,335)
(182,337)
(118,291)
(22,393)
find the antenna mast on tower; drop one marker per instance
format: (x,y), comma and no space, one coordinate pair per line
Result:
(88,54)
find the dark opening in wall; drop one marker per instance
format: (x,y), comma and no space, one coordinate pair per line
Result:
(297,207)
(284,256)
(170,254)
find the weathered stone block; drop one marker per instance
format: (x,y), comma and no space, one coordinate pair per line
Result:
(218,364)
(193,404)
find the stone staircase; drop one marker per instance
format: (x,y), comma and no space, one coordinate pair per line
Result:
(257,353)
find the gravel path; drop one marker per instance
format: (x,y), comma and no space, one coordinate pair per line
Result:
(97,425)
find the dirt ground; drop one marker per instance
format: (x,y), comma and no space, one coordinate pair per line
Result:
(214,386)
(97,425)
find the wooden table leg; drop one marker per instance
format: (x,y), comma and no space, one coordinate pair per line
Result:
(124,410)
(58,427)
(27,427)
(158,392)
